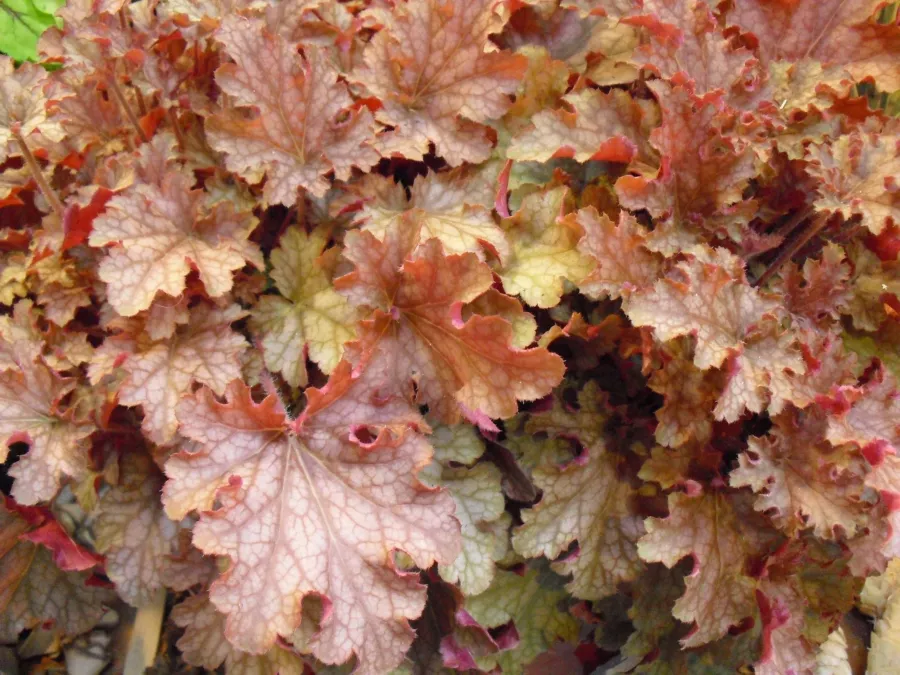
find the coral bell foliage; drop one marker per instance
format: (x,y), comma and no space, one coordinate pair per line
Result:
(414,336)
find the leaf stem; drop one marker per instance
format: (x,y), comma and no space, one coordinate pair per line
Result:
(792,248)
(38,176)
(271,386)
(144,642)
(786,228)
(129,113)
(173,120)
(139,97)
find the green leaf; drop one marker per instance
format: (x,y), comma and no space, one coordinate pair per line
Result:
(21,24)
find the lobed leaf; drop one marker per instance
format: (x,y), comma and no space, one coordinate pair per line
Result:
(308,506)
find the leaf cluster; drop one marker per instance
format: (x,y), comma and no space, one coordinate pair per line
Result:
(429,336)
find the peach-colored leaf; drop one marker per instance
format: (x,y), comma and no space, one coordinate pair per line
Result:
(29,398)
(431,68)
(870,414)
(449,206)
(294,136)
(757,379)
(818,293)
(204,643)
(718,593)
(416,294)
(23,104)
(160,232)
(606,127)
(704,300)
(787,651)
(314,506)
(13,270)
(797,485)
(701,170)
(831,31)
(132,530)
(689,394)
(586,501)
(624,264)
(495,303)
(699,55)
(207,351)
(859,174)
(20,340)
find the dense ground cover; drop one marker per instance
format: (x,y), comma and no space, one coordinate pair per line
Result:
(430,336)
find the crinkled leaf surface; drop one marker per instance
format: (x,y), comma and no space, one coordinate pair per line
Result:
(797,486)
(718,592)
(858,175)
(308,315)
(23,103)
(484,524)
(545,251)
(161,372)
(701,170)
(29,398)
(759,377)
(133,531)
(623,262)
(436,79)
(204,643)
(451,207)
(696,51)
(294,135)
(630,267)
(33,589)
(584,501)
(415,293)
(307,506)
(704,300)
(870,416)
(531,602)
(160,232)
(836,31)
(605,127)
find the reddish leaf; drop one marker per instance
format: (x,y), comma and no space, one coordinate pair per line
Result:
(835,31)
(33,589)
(78,222)
(417,297)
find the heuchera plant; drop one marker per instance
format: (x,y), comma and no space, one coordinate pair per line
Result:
(420,336)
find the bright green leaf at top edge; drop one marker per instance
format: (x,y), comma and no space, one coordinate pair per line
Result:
(21,24)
